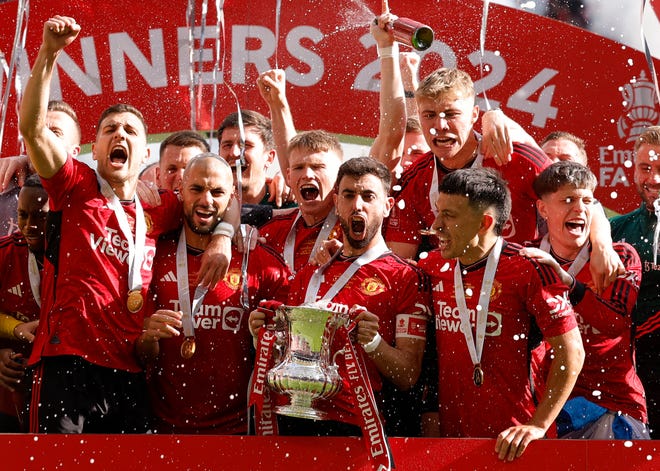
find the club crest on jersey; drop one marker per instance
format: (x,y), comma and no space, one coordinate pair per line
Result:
(496,290)
(372,286)
(148,222)
(233,278)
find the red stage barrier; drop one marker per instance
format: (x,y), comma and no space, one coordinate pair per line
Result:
(177,452)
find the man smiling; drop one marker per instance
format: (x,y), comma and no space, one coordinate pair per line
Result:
(640,229)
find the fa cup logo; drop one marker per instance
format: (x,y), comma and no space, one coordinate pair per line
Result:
(639,108)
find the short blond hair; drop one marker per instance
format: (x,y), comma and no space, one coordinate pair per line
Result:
(444,80)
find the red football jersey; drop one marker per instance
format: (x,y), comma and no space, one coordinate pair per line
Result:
(17,299)
(87,315)
(608,377)
(524,295)
(208,392)
(386,287)
(277,229)
(415,200)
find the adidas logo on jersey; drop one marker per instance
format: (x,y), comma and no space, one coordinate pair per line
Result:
(169,276)
(16,290)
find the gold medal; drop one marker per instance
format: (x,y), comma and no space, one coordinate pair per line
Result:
(478,375)
(134,302)
(188,347)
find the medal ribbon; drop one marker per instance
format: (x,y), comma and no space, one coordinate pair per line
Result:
(579,262)
(656,232)
(35,278)
(476,347)
(135,245)
(184,289)
(290,242)
(317,278)
(245,293)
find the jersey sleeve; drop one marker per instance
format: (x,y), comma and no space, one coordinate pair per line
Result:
(166,217)
(610,313)
(273,276)
(547,300)
(73,176)
(412,206)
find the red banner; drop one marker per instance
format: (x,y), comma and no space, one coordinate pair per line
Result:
(546,75)
(175,452)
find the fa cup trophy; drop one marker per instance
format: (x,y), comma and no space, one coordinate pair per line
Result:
(307,371)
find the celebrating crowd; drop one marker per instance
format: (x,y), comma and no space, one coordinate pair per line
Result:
(489,294)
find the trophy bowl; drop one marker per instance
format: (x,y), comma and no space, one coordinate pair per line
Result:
(307,372)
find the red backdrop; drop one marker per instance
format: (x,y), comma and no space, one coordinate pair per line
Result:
(545,74)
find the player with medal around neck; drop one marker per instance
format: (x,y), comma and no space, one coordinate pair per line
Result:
(473,206)
(206,190)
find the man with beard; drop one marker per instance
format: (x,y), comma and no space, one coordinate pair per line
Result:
(314,159)
(189,391)
(21,258)
(87,376)
(387,296)
(640,229)
(491,305)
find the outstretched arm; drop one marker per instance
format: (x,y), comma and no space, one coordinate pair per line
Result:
(388,145)
(499,134)
(564,370)
(272,87)
(409,65)
(605,263)
(45,150)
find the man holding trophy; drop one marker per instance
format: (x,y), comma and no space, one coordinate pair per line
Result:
(385,299)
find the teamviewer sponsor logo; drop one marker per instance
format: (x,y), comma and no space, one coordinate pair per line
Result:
(231,318)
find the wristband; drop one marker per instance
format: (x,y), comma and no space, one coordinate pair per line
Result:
(225,229)
(7,325)
(373,345)
(388,52)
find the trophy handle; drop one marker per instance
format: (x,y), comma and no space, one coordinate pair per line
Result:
(334,357)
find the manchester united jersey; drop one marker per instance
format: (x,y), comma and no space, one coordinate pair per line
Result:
(415,200)
(525,296)
(278,228)
(606,327)
(207,393)
(387,286)
(18,300)
(87,315)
